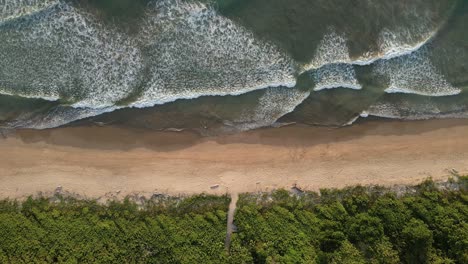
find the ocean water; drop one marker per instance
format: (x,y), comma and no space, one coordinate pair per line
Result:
(230,65)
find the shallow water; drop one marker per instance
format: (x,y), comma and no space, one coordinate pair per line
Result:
(230,65)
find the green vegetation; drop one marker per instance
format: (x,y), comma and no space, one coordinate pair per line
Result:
(357,225)
(73,231)
(425,224)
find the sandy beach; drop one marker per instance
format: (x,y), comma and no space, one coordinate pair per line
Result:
(114,162)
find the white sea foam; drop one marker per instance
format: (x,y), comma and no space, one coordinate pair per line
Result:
(406,65)
(352,120)
(56,117)
(273,104)
(184,50)
(416,111)
(5,91)
(415,74)
(364,114)
(331,49)
(192,51)
(393,45)
(64,52)
(335,75)
(329,67)
(189,51)
(12,9)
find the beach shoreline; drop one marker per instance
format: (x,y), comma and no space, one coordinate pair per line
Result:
(93,161)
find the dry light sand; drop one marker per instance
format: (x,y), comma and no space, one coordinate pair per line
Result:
(93,161)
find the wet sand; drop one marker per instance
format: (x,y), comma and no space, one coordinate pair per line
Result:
(112,161)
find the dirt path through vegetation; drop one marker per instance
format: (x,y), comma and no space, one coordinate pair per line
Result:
(230,221)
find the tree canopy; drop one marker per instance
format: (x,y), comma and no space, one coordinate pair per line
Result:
(359,224)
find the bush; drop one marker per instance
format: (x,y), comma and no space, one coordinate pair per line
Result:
(352,225)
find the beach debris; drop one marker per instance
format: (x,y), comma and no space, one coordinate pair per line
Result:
(157,195)
(454,172)
(296,190)
(204,124)
(216,186)
(58,189)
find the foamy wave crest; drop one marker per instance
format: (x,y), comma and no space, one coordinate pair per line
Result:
(415,74)
(64,53)
(273,104)
(393,45)
(331,49)
(56,117)
(329,68)
(192,51)
(12,9)
(182,51)
(7,91)
(335,76)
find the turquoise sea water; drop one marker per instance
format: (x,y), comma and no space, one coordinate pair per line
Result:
(230,65)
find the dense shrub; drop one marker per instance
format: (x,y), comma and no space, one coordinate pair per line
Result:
(357,225)
(353,225)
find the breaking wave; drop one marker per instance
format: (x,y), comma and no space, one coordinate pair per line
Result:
(64,53)
(415,74)
(183,51)
(10,9)
(332,66)
(335,76)
(61,51)
(273,104)
(192,51)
